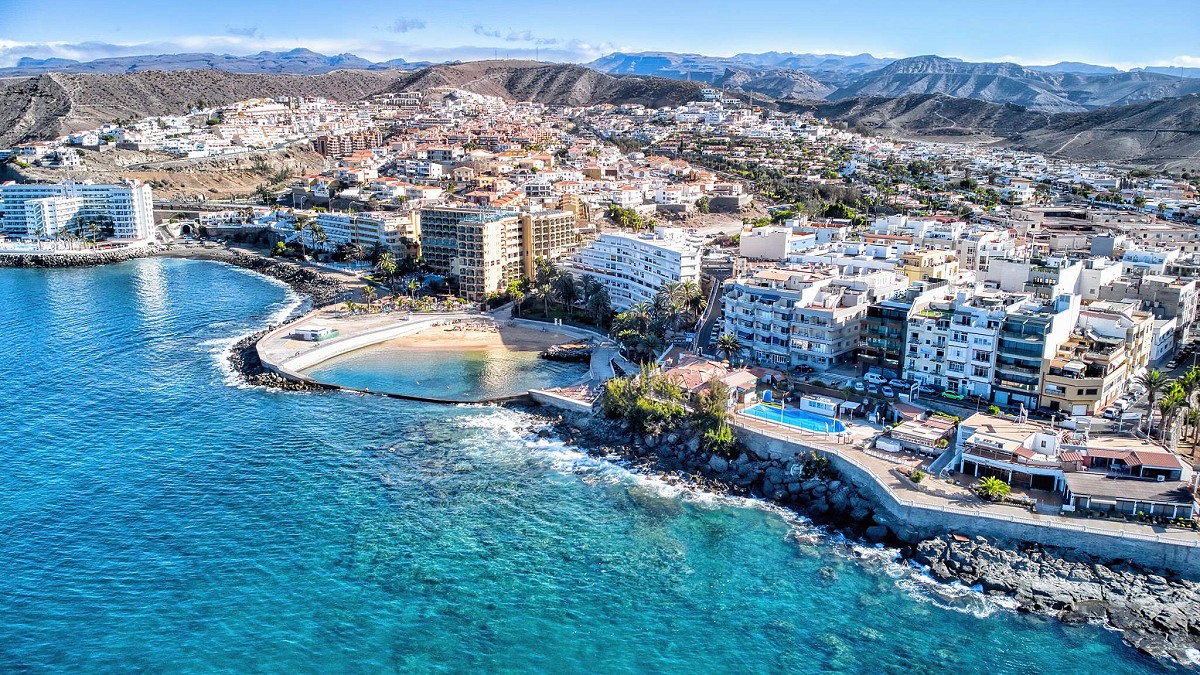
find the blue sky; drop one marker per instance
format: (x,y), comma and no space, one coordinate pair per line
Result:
(1124,34)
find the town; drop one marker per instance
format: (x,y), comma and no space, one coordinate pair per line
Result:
(1005,323)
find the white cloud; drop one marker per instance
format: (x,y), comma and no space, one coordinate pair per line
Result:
(403,25)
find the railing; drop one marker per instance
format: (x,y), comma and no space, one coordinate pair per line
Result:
(957,510)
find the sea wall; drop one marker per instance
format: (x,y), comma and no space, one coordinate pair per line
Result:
(913,520)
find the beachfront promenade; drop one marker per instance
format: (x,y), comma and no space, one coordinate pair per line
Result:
(935,506)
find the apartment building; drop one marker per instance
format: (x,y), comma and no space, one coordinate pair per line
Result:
(332,145)
(632,267)
(123,211)
(774,243)
(484,249)
(1043,277)
(952,342)
(1165,297)
(398,232)
(804,317)
(929,265)
(884,341)
(1029,336)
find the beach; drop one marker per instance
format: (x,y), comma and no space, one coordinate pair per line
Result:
(478,335)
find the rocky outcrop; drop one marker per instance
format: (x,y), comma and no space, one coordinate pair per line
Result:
(574,352)
(243,356)
(76,259)
(323,290)
(1156,614)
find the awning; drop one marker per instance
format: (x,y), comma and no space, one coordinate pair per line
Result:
(849,405)
(1070,456)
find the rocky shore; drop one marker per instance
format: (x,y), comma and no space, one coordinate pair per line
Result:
(77,259)
(1157,613)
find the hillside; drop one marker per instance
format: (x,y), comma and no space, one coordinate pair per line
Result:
(51,105)
(1010,83)
(1164,133)
(550,83)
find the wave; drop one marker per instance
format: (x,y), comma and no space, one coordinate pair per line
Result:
(566,459)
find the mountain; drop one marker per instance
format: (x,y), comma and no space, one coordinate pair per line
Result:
(51,105)
(731,73)
(1172,70)
(48,106)
(1075,67)
(293,62)
(1163,133)
(550,83)
(1011,83)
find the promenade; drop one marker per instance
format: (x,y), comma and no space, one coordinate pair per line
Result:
(935,496)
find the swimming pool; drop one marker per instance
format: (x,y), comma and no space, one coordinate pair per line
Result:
(796,418)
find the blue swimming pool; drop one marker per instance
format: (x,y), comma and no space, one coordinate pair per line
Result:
(796,418)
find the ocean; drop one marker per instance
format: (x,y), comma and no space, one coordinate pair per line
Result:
(158,516)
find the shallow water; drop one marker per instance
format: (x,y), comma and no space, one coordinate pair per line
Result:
(155,518)
(469,375)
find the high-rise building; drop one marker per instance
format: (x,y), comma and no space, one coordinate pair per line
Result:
(124,210)
(397,232)
(484,249)
(632,267)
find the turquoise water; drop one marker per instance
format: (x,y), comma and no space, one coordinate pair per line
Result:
(473,375)
(156,518)
(796,418)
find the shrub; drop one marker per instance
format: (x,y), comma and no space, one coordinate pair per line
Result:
(993,410)
(918,476)
(719,440)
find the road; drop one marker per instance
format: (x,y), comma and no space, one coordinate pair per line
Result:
(712,316)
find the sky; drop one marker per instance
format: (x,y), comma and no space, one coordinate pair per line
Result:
(1104,32)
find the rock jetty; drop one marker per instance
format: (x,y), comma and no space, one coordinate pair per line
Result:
(243,356)
(575,352)
(77,258)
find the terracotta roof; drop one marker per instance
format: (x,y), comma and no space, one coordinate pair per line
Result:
(1070,456)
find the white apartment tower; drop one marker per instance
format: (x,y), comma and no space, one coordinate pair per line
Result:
(632,267)
(45,210)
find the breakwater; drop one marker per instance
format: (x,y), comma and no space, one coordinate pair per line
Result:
(76,258)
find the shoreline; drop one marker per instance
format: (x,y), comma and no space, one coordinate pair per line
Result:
(1155,611)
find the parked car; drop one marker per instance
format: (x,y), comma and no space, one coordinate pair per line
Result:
(1120,405)
(888,392)
(1110,413)
(872,389)
(858,387)
(953,396)
(875,378)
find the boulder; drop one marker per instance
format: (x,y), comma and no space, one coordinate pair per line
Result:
(876,533)
(718,464)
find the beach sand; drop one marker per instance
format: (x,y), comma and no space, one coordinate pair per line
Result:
(513,338)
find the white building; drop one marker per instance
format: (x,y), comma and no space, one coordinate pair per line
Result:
(774,243)
(632,267)
(41,210)
(395,231)
(809,317)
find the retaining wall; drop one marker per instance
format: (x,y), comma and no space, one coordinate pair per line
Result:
(1158,551)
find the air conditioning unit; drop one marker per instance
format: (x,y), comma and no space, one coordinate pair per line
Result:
(1161,479)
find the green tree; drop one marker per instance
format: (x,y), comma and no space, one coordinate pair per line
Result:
(387,267)
(565,289)
(729,345)
(992,488)
(369,294)
(599,306)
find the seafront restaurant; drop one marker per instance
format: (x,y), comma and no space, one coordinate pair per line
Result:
(1104,473)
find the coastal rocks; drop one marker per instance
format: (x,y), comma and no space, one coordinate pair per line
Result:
(77,259)
(323,289)
(243,357)
(573,352)
(1156,614)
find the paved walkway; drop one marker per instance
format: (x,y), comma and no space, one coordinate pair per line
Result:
(937,495)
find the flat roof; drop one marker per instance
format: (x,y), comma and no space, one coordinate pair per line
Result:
(1100,485)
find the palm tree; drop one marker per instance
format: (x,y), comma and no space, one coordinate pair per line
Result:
(318,234)
(1153,382)
(300,225)
(545,291)
(599,305)
(992,488)
(568,294)
(412,287)
(691,298)
(518,296)
(369,296)
(350,306)
(728,344)
(1171,401)
(387,266)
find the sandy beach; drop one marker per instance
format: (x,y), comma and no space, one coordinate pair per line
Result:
(463,336)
